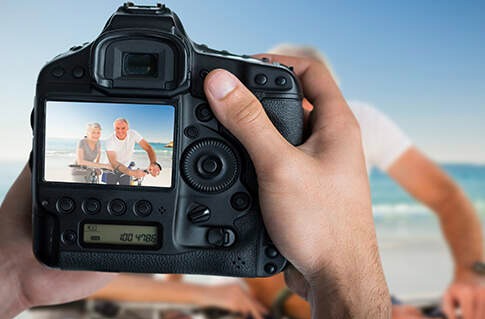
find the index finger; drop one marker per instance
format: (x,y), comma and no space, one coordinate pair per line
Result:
(319,87)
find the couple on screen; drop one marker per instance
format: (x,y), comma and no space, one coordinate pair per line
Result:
(120,146)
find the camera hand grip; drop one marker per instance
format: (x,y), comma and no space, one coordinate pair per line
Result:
(287,116)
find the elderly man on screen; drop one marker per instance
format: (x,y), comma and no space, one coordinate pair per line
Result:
(388,148)
(120,147)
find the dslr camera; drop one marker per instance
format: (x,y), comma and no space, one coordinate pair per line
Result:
(132,172)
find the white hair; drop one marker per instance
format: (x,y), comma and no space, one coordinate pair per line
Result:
(304,51)
(92,126)
(121,119)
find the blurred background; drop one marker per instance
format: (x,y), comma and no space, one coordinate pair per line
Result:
(421,63)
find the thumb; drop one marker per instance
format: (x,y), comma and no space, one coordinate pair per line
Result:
(243,115)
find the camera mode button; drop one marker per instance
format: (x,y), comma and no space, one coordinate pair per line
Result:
(78,72)
(117,207)
(57,72)
(142,208)
(91,206)
(65,205)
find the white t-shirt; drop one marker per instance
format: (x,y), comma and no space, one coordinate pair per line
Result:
(383,141)
(123,148)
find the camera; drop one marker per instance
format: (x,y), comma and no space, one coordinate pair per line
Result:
(131,172)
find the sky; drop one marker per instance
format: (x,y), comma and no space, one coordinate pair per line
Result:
(69,119)
(420,62)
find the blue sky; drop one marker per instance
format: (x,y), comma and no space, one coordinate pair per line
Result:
(421,62)
(68,120)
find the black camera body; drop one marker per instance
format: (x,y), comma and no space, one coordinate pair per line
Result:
(204,217)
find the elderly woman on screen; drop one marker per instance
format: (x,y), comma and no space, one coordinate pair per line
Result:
(88,153)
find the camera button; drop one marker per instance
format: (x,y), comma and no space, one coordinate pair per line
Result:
(199,214)
(270,268)
(221,237)
(203,112)
(117,207)
(91,206)
(78,72)
(271,252)
(261,79)
(69,237)
(240,201)
(57,72)
(65,205)
(142,208)
(191,131)
(281,81)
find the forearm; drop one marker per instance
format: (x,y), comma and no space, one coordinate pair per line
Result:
(151,155)
(462,229)
(145,289)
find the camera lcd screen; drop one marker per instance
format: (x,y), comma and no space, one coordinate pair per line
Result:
(106,234)
(109,143)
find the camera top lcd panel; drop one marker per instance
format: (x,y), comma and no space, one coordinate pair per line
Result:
(132,172)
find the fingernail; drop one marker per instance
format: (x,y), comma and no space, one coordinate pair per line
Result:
(221,84)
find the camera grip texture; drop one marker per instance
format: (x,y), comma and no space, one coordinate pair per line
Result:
(287,116)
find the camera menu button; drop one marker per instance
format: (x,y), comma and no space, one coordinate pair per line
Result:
(65,205)
(117,207)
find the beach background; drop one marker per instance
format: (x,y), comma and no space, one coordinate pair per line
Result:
(416,260)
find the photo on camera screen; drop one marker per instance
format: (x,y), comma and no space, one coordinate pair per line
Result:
(109,143)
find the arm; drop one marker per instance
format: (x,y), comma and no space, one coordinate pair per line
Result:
(122,168)
(80,160)
(153,168)
(460,224)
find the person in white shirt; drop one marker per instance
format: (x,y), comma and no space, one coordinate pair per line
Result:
(389,149)
(120,147)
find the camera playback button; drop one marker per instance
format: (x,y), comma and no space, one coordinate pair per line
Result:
(142,208)
(117,207)
(65,205)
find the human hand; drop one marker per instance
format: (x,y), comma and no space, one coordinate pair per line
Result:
(108,166)
(234,298)
(314,198)
(154,169)
(24,281)
(466,293)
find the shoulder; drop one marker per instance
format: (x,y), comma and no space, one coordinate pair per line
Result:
(81,142)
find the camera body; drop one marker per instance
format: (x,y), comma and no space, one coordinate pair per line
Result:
(200,214)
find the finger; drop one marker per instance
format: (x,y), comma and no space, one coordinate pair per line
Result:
(480,303)
(242,114)
(449,306)
(318,86)
(466,303)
